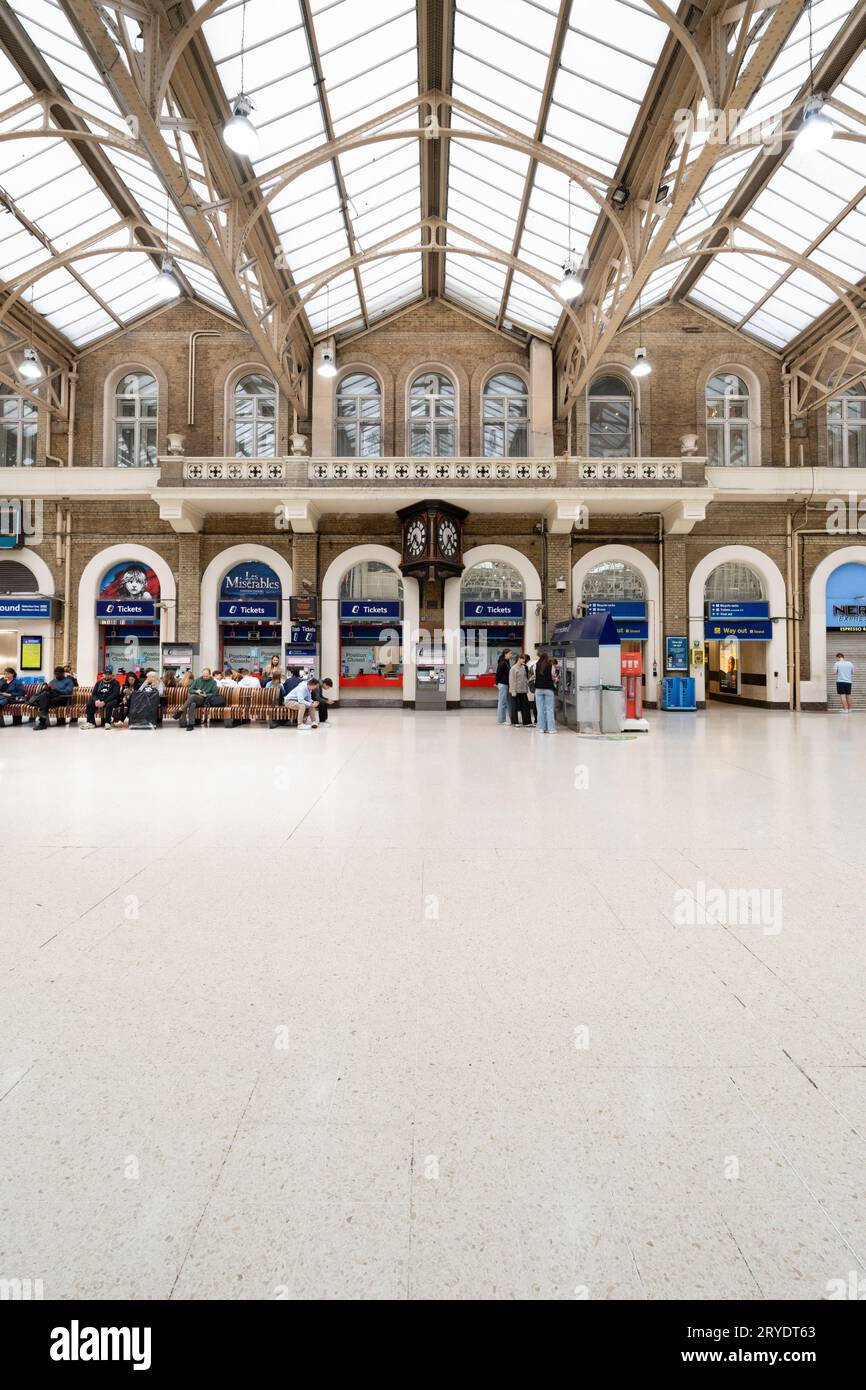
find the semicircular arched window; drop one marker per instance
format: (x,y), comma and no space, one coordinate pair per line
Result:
(611,418)
(255,417)
(136,404)
(506,416)
(492,580)
(734,582)
(613,579)
(18,427)
(371,579)
(728,423)
(432,425)
(358,420)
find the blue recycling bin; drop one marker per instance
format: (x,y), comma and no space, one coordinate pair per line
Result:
(678,693)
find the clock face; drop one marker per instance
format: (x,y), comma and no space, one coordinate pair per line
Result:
(447,537)
(416,537)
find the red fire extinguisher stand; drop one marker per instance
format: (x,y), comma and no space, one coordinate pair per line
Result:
(631,668)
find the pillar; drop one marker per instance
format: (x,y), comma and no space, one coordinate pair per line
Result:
(323,404)
(189,587)
(541,399)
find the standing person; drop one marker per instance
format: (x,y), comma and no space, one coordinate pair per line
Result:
(105,695)
(844,670)
(518,688)
(304,699)
(503,702)
(272,674)
(530,692)
(203,692)
(545,695)
(54,694)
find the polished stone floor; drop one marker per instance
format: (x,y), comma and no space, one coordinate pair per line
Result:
(421,1007)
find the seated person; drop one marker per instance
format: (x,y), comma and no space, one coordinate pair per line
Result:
(106,697)
(248,682)
(145,705)
(304,698)
(324,693)
(293,679)
(54,694)
(13,690)
(204,692)
(225,680)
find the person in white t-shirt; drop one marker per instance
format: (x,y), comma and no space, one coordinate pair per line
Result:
(844,671)
(226,681)
(248,682)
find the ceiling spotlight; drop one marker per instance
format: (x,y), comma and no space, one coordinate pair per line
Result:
(662,192)
(817,129)
(620,196)
(570,286)
(165,285)
(239,132)
(29,368)
(327,366)
(642,365)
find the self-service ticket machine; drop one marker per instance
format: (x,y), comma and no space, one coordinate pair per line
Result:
(590,694)
(430,677)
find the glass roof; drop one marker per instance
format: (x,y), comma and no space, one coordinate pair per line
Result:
(571,76)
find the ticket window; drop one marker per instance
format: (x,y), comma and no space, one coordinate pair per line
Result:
(250,648)
(366,661)
(130,648)
(480,650)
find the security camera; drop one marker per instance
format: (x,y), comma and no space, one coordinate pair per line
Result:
(560,584)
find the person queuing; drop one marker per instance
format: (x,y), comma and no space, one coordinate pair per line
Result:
(545,688)
(13,690)
(55,694)
(304,699)
(844,672)
(503,704)
(105,696)
(204,692)
(518,688)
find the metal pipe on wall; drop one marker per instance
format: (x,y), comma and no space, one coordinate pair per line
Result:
(190,371)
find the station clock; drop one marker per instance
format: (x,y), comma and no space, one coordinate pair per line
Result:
(432,540)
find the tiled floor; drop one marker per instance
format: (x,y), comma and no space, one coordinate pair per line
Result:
(404,1009)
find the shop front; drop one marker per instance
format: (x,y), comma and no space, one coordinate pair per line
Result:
(370,612)
(250,616)
(127,615)
(846,629)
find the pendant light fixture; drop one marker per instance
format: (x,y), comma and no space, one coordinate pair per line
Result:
(642,365)
(239,132)
(29,368)
(165,284)
(327,365)
(570,286)
(816,129)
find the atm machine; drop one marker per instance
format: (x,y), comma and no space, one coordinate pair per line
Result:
(590,694)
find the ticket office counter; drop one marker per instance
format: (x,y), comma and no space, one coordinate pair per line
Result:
(130,647)
(737,644)
(371,650)
(487,629)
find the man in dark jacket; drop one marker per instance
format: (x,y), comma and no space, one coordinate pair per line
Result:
(53,695)
(105,696)
(203,691)
(503,670)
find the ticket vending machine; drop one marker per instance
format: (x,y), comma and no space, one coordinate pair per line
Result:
(632,683)
(589,694)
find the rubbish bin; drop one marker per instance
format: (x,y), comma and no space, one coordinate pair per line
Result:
(588,705)
(612,709)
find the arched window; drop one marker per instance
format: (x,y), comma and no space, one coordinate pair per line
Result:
(506,412)
(492,580)
(255,417)
(611,419)
(432,423)
(613,579)
(846,427)
(359,417)
(734,582)
(18,424)
(371,579)
(728,422)
(135,410)
(16,578)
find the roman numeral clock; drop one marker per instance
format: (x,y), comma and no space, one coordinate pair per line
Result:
(432,540)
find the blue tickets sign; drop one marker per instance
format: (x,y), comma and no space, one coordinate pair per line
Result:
(123,610)
(484,611)
(249,610)
(368,610)
(303,636)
